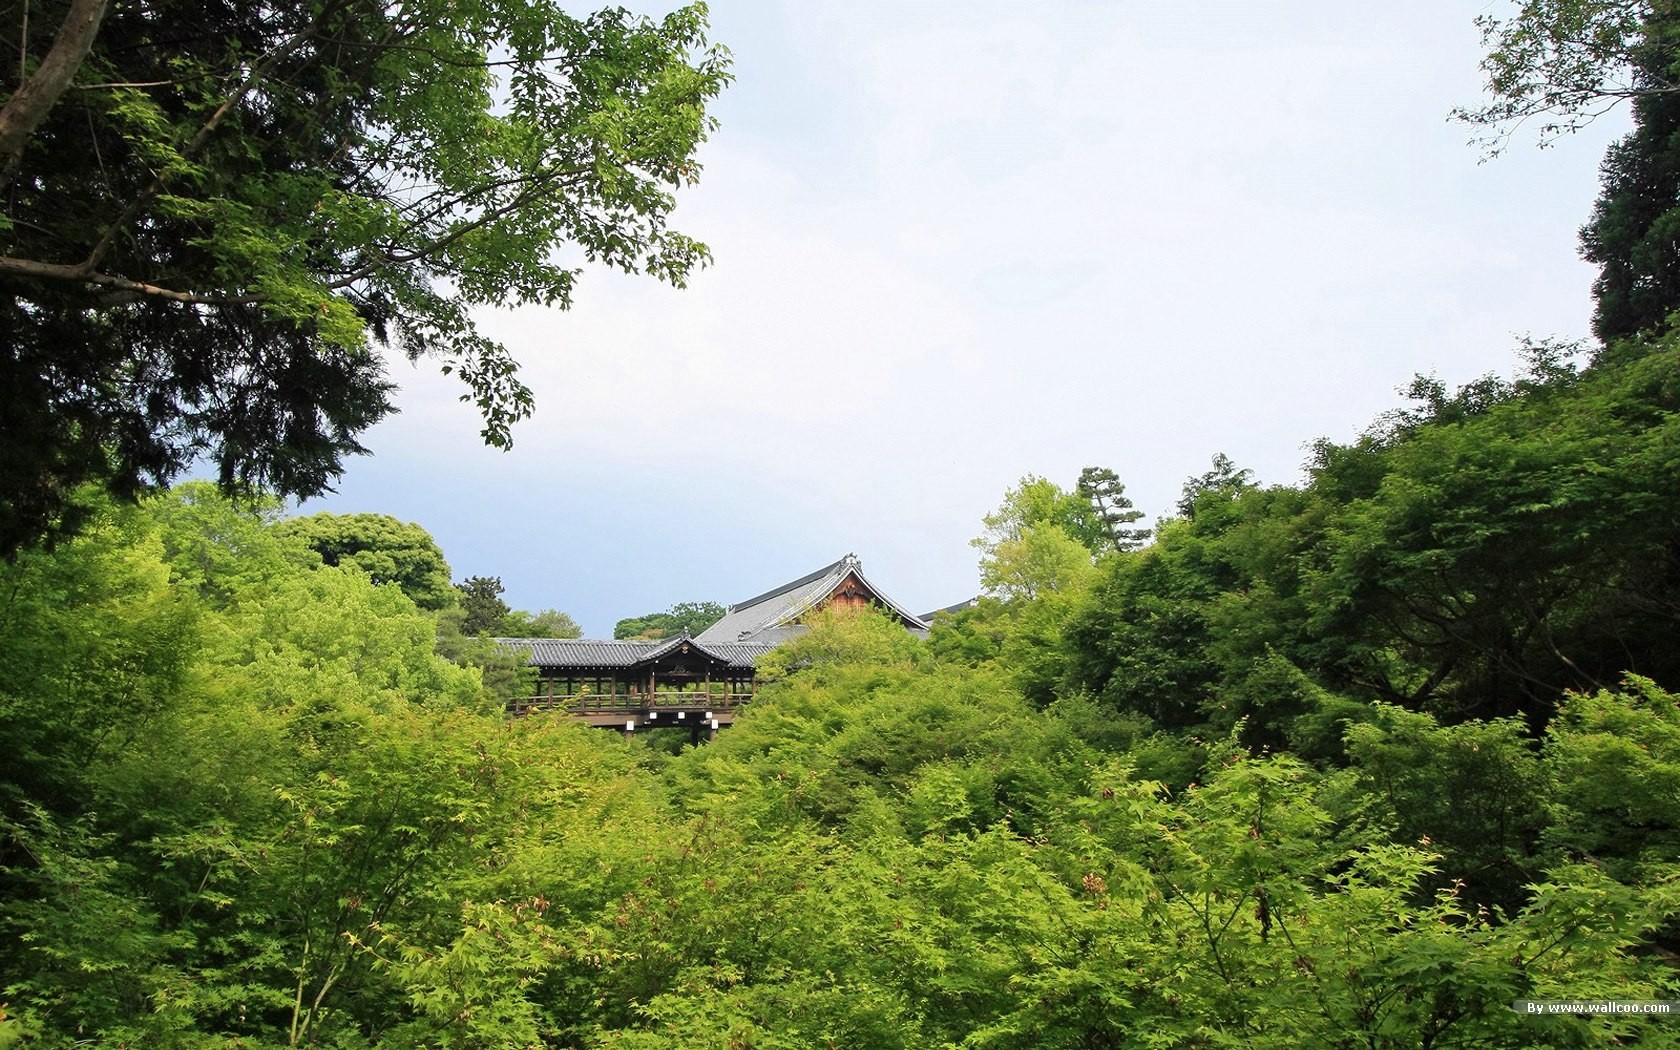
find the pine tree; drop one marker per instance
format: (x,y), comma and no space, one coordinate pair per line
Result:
(1103,488)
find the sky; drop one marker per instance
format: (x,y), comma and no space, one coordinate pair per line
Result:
(958,243)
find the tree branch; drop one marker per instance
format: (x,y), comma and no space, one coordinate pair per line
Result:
(28,106)
(126,289)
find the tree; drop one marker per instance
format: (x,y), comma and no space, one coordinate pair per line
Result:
(1041,561)
(692,617)
(550,623)
(1103,489)
(1565,63)
(1039,501)
(1225,479)
(1635,225)
(481,600)
(388,550)
(214,212)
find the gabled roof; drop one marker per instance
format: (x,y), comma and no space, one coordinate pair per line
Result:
(586,654)
(768,615)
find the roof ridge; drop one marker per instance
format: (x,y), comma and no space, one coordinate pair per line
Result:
(786,587)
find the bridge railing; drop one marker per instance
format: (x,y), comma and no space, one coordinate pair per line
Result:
(601,703)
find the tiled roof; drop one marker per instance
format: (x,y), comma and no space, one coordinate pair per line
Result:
(927,617)
(751,619)
(746,632)
(580,652)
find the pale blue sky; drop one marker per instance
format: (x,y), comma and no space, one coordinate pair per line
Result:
(956,243)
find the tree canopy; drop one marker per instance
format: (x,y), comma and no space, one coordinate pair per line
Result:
(692,617)
(1563,63)
(215,214)
(387,549)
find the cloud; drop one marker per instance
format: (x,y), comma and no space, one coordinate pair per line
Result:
(955,245)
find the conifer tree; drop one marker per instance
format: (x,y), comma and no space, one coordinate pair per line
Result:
(1107,495)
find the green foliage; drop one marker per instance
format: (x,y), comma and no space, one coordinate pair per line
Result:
(1475,793)
(220,548)
(1223,481)
(480,598)
(94,642)
(842,636)
(1041,560)
(550,623)
(1231,789)
(388,550)
(1614,759)
(1475,556)
(692,617)
(1107,496)
(1632,232)
(205,234)
(1563,63)
(1036,502)
(314,832)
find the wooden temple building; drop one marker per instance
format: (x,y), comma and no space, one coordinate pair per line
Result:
(695,683)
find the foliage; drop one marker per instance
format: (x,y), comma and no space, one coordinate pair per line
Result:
(1223,480)
(388,550)
(1040,560)
(692,617)
(1102,487)
(481,600)
(1475,556)
(842,636)
(1632,232)
(1036,502)
(304,826)
(94,641)
(550,623)
(1614,760)
(206,232)
(1474,793)
(1567,62)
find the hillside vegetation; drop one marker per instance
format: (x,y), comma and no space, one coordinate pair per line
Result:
(1357,762)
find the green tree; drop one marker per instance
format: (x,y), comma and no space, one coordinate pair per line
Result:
(1635,224)
(1107,495)
(692,617)
(481,601)
(1613,758)
(388,550)
(1224,479)
(1041,560)
(212,213)
(1038,501)
(224,549)
(1564,63)
(550,623)
(94,642)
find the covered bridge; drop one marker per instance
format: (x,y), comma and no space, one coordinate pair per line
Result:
(692,682)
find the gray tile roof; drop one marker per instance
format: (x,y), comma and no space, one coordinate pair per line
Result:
(927,617)
(751,619)
(585,653)
(746,632)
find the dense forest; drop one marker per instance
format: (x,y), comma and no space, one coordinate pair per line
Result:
(1358,761)
(1350,763)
